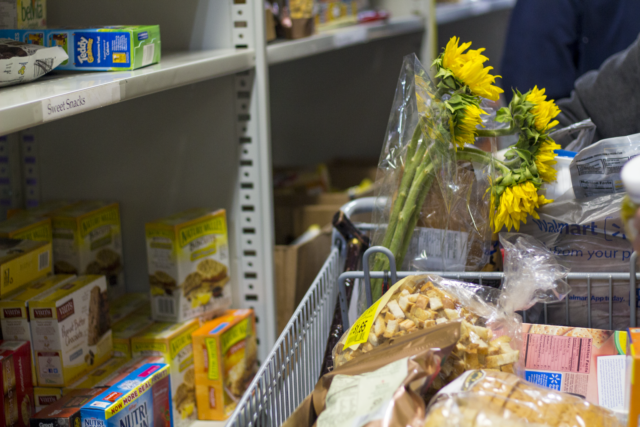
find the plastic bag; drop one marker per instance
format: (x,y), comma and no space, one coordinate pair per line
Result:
(22,62)
(489,398)
(575,137)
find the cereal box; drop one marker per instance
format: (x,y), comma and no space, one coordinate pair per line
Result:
(23,14)
(142,399)
(65,412)
(585,362)
(124,370)
(94,377)
(188,260)
(45,396)
(22,261)
(137,302)
(632,377)
(125,329)
(86,240)
(173,342)
(17,401)
(14,310)
(225,354)
(26,227)
(71,330)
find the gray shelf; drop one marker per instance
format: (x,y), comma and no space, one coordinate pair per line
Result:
(447,13)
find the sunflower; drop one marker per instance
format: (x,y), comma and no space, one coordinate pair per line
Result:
(545,158)
(469,69)
(543,110)
(515,204)
(467,119)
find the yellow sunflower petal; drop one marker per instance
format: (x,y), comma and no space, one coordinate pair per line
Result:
(543,110)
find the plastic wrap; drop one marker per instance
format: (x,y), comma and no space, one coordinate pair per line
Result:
(575,137)
(22,62)
(488,398)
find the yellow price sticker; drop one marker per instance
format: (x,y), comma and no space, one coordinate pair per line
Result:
(359,332)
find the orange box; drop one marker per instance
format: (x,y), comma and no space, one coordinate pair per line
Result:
(225,357)
(633,375)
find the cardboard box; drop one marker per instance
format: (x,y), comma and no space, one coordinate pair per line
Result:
(17,397)
(124,370)
(43,209)
(188,260)
(632,386)
(115,48)
(94,377)
(141,399)
(126,329)
(65,412)
(71,330)
(173,342)
(45,396)
(134,302)
(23,14)
(225,352)
(22,261)
(27,227)
(14,311)
(87,240)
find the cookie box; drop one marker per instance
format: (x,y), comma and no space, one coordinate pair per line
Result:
(87,240)
(45,396)
(188,261)
(142,399)
(173,342)
(23,13)
(126,329)
(27,228)
(22,261)
(134,302)
(65,412)
(124,370)
(97,375)
(225,355)
(71,330)
(16,405)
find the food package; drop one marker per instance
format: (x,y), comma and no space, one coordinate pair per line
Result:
(575,137)
(27,228)
(14,311)
(490,328)
(492,398)
(22,62)
(23,14)
(226,360)
(130,303)
(124,370)
(17,404)
(127,328)
(45,396)
(173,342)
(632,377)
(143,398)
(115,48)
(22,261)
(589,363)
(94,377)
(71,330)
(65,411)
(41,209)
(188,260)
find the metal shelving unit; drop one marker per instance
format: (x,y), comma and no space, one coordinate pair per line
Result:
(447,13)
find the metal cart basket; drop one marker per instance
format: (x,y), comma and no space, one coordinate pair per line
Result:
(293,366)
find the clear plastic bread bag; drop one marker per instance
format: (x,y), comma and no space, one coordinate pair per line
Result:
(490,327)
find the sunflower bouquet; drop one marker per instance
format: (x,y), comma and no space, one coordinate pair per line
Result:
(431,127)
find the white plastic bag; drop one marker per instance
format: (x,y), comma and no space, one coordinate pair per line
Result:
(22,63)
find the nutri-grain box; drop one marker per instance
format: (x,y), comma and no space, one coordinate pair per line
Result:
(45,396)
(141,399)
(65,412)
(71,330)
(173,342)
(87,240)
(188,261)
(17,404)
(22,261)
(225,354)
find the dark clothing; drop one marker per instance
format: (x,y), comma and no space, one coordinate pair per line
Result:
(551,43)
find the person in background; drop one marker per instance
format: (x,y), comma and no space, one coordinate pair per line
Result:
(551,43)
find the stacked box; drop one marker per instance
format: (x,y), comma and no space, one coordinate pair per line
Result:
(225,354)
(143,398)
(173,342)
(45,396)
(65,412)
(43,209)
(16,405)
(188,259)
(71,330)
(14,311)
(27,227)
(124,370)
(22,261)
(94,377)
(23,13)
(126,329)
(87,240)
(135,302)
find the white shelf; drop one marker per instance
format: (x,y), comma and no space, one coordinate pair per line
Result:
(21,106)
(282,51)
(200,423)
(447,13)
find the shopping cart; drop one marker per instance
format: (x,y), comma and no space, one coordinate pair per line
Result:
(293,367)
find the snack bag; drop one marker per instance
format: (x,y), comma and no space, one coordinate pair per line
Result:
(22,62)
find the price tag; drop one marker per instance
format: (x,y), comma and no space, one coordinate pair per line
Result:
(359,332)
(353,36)
(82,100)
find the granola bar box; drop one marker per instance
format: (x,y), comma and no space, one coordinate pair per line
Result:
(124,370)
(45,396)
(126,329)
(14,310)
(188,262)
(22,261)
(225,354)
(27,227)
(17,404)
(142,399)
(71,330)
(173,342)
(133,302)
(94,377)
(65,412)
(87,240)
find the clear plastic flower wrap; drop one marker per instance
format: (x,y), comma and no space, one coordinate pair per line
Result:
(488,398)
(491,336)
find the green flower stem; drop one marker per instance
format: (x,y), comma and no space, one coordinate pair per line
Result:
(480,156)
(414,221)
(496,132)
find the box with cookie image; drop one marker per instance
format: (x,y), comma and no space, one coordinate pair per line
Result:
(188,262)
(87,240)
(172,341)
(71,330)
(17,402)
(225,355)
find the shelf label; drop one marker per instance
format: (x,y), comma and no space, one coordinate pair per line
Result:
(82,100)
(353,36)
